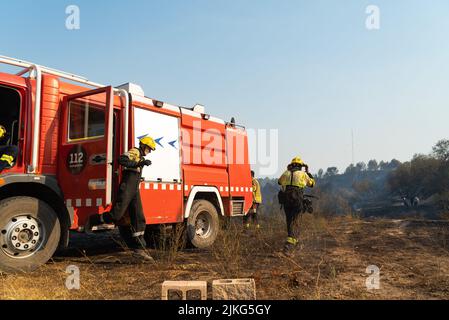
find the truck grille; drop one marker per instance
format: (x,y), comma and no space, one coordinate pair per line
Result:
(237,207)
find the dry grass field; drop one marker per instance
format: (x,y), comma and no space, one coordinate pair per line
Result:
(413,257)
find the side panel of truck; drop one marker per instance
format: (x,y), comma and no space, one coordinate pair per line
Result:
(161,188)
(239,170)
(204,154)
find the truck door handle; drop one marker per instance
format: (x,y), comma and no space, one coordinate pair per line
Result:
(98,159)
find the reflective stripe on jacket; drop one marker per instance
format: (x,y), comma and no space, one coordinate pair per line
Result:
(7,158)
(8,155)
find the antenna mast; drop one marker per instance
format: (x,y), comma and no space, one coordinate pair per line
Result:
(352,140)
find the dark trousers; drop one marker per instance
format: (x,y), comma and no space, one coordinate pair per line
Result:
(252,215)
(292,215)
(128,200)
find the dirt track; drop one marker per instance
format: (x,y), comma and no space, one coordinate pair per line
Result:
(413,258)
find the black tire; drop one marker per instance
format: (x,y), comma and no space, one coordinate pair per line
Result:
(38,223)
(203,218)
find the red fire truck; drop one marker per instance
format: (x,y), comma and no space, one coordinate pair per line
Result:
(69,133)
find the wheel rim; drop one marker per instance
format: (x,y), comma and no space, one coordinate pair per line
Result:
(203,225)
(22,236)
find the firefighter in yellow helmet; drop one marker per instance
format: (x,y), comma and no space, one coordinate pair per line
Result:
(8,153)
(293,182)
(257,200)
(128,197)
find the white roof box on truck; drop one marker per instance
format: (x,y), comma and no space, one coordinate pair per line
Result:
(132,88)
(137,90)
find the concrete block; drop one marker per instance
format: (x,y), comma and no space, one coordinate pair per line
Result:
(184,290)
(234,289)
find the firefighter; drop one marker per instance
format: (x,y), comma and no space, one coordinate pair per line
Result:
(8,154)
(293,182)
(128,197)
(257,200)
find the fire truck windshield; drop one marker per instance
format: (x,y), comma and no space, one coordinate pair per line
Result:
(9,115)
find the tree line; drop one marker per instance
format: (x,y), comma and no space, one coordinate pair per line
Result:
(424,176)
(372,165)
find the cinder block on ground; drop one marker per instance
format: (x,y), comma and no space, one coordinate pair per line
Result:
(184,290)
(234,289)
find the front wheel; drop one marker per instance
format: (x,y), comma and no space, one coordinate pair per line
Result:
(203,224)
(29,234)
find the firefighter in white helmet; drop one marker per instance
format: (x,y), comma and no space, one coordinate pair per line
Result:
(293,182)
(8,153)
(128,197)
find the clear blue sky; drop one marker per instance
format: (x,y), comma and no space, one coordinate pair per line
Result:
(308,68)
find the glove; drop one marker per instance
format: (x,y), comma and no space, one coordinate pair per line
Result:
(145,163)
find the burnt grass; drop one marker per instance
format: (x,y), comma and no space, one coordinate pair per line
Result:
(330,263)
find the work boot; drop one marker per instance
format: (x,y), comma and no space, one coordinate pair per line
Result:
(143,255)
(98,220)
(106,218)
(246,227)
(92,221)
(289,249)
(290,246)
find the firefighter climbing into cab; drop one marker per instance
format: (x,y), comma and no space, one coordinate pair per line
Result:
(128,197)
(8,153)
(291,196)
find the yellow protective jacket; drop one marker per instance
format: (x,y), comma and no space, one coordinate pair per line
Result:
(257,193)
(300,179)
(131,160)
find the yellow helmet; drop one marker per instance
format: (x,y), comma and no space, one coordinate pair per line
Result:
(297,160)
(149,142)
(2,131)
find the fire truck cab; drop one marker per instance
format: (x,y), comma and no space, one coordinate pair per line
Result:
(69,133)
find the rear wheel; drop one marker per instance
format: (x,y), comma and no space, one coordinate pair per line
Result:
(203,224)
(29,234)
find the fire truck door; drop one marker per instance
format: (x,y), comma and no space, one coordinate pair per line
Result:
(86,148)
